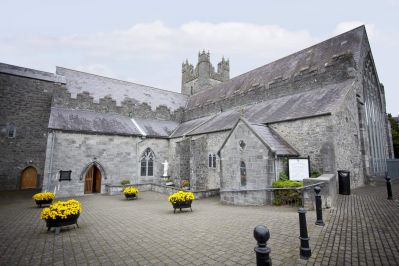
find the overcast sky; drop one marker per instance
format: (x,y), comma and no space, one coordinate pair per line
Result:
(146,41)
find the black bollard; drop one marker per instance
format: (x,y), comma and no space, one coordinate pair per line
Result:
(305,251)
(389,186)
(262,235)
(319,210)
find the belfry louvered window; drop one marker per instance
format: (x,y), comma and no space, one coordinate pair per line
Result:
(147,163)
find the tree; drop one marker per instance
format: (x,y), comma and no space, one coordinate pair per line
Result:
(395,135)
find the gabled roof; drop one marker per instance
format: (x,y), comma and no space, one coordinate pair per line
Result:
(312,58)
(91,122)
(268,137)
(108,123)
(273,140)
(323,101)
(99,87)
(156,128)
(187,127)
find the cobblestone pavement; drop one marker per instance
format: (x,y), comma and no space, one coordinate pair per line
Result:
(114,231)
(363,230)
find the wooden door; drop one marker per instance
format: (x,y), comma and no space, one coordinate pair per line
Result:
(29,178)
(93,180)
(89,180)
(97,175)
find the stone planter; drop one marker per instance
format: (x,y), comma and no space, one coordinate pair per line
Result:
(58,223)
(182,205)
(43,202)
(130,196)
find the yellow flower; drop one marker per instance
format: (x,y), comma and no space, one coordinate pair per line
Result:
(61,209)
(131,191)
(181,196)
(43,196)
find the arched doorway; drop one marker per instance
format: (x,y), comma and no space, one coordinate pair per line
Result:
(93,180)
(29,178)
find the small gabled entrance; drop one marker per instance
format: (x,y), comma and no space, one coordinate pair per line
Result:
(93,180)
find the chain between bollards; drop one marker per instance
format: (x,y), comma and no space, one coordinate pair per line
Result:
(319,210)
(304,250)
(262,235)
(389,186)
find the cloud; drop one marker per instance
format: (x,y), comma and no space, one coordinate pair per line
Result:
(348,25)
(98,69)
(157,41)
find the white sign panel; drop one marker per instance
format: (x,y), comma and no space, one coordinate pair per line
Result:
(298,168)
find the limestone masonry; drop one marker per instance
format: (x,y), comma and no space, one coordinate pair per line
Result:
(75,133)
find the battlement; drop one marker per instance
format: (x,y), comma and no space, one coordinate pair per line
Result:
(203,76)
(128,107)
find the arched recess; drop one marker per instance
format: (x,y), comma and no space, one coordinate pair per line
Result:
(92,175)
(29,178)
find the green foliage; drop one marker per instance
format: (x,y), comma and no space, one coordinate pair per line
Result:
(289,196)
(287,184)
(314,174)
(395,135)
(125,182)
(283,176)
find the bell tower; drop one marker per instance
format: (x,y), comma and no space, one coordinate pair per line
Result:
(203,76)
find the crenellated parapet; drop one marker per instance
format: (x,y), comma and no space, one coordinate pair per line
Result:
(128,107)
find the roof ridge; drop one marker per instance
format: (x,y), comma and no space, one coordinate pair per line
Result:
(120,80)
(282,58)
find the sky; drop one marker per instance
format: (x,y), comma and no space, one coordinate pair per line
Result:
(147,41)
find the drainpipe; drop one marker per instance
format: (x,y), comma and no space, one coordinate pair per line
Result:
(275,168)
(50,169)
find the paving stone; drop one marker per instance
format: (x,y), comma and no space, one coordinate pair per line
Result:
(361,230)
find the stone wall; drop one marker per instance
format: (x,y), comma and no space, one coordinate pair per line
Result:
(259,163)
(189,159)
(311,137)
(346,139)
(24,102)
(116,156)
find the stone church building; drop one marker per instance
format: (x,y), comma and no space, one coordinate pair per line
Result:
(75,133)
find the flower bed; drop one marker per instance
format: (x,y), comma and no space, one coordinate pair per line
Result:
(130,192)
(181,199)
(43,198)
(61,213)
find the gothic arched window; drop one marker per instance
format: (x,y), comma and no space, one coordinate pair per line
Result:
(147,163)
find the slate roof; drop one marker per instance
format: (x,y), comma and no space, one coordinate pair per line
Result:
(88,121)
(323,101)
(273,140)
(119,90)
(306,104)
(220,122)
(314,57)
(157,128)
(107,123)
(189,126)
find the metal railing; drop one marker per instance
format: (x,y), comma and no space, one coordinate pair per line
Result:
(292,196)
